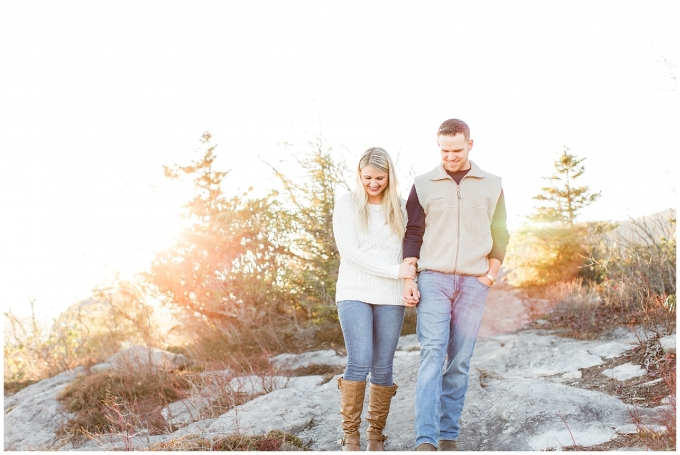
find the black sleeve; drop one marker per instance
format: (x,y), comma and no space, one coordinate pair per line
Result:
(499,231)
(415,228)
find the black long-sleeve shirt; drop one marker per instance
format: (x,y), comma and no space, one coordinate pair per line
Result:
(415,229)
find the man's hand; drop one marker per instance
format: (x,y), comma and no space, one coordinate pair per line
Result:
(485,281)
(411,295)
(494,265)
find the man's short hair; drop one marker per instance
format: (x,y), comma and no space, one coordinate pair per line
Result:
(454,126)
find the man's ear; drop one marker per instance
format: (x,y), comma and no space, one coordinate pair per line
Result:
(470,144)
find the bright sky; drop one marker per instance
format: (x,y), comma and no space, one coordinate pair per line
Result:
(95,97)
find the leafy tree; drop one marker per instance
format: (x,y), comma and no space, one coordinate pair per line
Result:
(563,199)
(311,201)
(226,266)
(246,266)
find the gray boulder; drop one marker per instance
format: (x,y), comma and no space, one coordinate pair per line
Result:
(187,410)
(668,344)
(191,409)
(33,415)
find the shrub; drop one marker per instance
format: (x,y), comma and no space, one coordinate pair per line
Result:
(631,273)
(131,397)
(547,254)
(582,311)
(639,261)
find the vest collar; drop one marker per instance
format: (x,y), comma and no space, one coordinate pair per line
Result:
(439,173)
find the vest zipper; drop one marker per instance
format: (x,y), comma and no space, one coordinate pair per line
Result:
(455,264)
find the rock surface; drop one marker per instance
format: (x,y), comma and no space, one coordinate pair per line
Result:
(292,361)
(516,400)
(257,384)
(625,371)
(408,343)
(33,415)
(668,344)
(519,398)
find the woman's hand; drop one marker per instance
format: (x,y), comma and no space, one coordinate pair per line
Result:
(407,271)
(411,295)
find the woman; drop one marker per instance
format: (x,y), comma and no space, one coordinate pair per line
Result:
(368,224)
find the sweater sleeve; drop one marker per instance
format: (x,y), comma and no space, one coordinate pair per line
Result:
(345,226)
(415,227)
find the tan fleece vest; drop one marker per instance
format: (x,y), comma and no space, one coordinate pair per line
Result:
(457,220)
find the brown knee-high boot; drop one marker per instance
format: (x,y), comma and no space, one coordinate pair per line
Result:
(351,405)
(379,398)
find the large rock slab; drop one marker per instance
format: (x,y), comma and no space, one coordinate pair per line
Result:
(266,384)
(187,410)
(535,414)
(540,354)
(190,409)
(33,415)
(323,357)
(513,401)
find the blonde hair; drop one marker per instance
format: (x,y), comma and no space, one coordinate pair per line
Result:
(379,159)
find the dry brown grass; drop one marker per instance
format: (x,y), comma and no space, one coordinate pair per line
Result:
(275,440)
(582,312)
(128,401)
(120,401)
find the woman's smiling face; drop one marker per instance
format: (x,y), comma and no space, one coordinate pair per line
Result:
(374,182)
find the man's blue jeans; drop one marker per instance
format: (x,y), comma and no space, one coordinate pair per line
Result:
(449,314)
(371,336)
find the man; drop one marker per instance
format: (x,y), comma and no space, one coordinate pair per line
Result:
(457,236)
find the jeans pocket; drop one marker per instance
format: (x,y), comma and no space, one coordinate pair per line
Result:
(481,284)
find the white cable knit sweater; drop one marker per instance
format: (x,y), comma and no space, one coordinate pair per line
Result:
(369,260)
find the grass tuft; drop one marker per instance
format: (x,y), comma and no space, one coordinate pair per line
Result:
(120,400)
(275,440)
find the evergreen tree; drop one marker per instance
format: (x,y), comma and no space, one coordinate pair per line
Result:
(563,199)
(226,265)
(311,201)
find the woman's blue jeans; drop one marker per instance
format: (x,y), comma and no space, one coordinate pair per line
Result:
(371,335)
(449,315)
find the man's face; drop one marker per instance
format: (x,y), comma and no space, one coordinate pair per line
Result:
(455,151)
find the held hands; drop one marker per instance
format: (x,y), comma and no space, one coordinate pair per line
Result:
(406,270)
(411,295)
